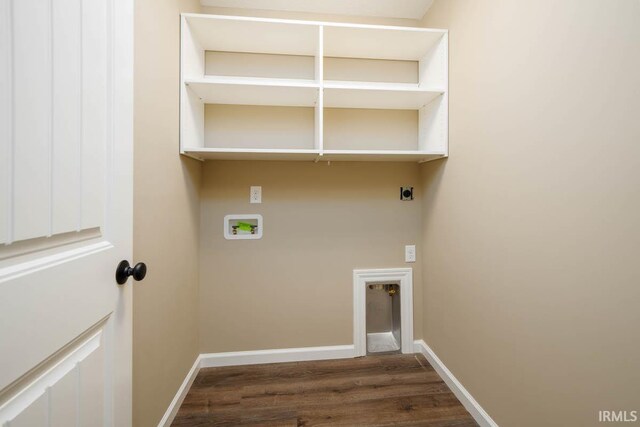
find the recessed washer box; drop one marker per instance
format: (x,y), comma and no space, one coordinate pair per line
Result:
(243,227)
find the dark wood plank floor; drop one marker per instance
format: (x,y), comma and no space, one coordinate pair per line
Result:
(390,390)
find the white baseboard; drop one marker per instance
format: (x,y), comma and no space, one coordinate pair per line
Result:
(236,358)
(172,410)
(470,404)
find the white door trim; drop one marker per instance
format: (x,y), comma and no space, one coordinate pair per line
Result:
(403,276)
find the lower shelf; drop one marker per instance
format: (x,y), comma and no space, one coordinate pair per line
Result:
(380,156)
(311,155)
(251,154)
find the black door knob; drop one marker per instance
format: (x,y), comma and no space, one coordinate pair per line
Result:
(125,270)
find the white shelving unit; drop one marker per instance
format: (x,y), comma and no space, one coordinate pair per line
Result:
(274,89)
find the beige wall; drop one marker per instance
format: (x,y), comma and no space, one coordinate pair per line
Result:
(166,217)
(293,288)
(531,228)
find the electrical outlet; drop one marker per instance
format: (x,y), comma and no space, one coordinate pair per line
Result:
(255,195)
(410,253)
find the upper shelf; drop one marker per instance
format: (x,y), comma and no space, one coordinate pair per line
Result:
(379,42)
(242,34)
(289,37)
(255,91)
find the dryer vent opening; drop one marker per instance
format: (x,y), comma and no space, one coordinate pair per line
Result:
(383,318)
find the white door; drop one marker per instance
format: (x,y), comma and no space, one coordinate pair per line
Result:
(66,72)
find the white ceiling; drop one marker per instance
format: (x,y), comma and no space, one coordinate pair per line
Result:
(410,9)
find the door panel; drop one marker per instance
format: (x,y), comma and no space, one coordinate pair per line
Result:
(33,415)
(96,111)
(67,116)
(6,113)
(63,400)
(65,211)
(59,56)
(31,119)
(64,390)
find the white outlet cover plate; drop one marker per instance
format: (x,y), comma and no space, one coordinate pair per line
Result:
(410,253)
(255,194)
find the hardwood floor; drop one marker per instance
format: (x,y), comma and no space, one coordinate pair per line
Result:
(389,390)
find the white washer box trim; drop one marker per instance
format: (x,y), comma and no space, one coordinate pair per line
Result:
(403,276)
